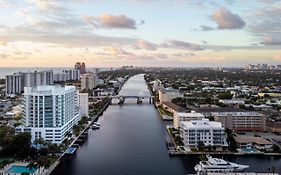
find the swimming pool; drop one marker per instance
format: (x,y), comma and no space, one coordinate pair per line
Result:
(21,169)
(249,150)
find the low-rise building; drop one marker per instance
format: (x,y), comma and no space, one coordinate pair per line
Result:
(232,102)
(248,142)
(167,94)
(241,121)
(208,132)
(184,116)
(171,107)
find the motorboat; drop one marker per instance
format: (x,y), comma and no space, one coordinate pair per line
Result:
(216,165)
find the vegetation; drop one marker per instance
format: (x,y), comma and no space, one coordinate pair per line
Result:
(164,111)
(230,140)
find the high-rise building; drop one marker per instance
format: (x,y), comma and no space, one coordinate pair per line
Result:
(88,81)
(83,68)
(72,74)
(38,78)
(14,84)
(50,112)
(83,103)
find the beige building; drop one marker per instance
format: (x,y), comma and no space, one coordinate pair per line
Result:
(83,104)
(241,121)
(88,81)
(167,94)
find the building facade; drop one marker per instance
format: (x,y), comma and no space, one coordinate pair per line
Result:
(184,116)
(88,81)
(167,94)
(83,103)
(241,121)
(14,84)
(208,132)
(50,112)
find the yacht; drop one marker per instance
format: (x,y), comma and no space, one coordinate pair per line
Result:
(215,165)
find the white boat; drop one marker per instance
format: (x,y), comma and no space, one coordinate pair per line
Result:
(94,126)
(97,124)
(215,165)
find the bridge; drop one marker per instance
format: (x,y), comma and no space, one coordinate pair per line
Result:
(122,98)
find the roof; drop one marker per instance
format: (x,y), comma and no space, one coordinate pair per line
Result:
(190,114)
(218,109)
(251,139)
(202,124)
(168,90)
(174,106)
(245,114)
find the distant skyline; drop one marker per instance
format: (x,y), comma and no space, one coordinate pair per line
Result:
(172,33)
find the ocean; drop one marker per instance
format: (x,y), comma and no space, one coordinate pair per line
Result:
(10,70)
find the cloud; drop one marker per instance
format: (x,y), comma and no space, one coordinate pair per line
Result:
(225,19)
(142,44)
(271,41)
(266,24)
(206,28)
(109,21)
(182,45)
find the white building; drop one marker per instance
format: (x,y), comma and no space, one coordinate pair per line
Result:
(14,84)
(183,117)
(83,103)
(88,81)
(36,78)
(156,85)
(73,74)
(50,112)
(167,94)
(231,102)
(208,132)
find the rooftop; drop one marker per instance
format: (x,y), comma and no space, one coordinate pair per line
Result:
(251,139)
(201,124)
(246,113)
(174,106)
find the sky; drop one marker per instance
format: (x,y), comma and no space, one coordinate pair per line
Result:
(159,33)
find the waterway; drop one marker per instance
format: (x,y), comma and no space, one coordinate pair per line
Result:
(132,141)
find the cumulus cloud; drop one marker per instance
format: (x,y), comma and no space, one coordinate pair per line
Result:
(225,19)
(142,44)
(271,41)
(109,21)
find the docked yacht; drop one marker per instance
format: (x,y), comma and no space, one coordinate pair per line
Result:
(215,165)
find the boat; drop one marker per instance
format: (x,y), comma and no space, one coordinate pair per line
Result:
(216,165)
(97,124)
(94,126)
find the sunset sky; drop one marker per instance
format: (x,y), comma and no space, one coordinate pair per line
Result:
(103,33)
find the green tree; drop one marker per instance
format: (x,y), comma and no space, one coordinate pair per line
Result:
(225,95)
(276,148)
(201,146)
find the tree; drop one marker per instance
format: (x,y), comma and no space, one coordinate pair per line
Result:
(275,148)
(201,146)
(225,95)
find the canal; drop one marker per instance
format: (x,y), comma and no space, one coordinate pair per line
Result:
(132,141)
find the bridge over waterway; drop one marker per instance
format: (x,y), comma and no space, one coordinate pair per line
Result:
(122,98)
